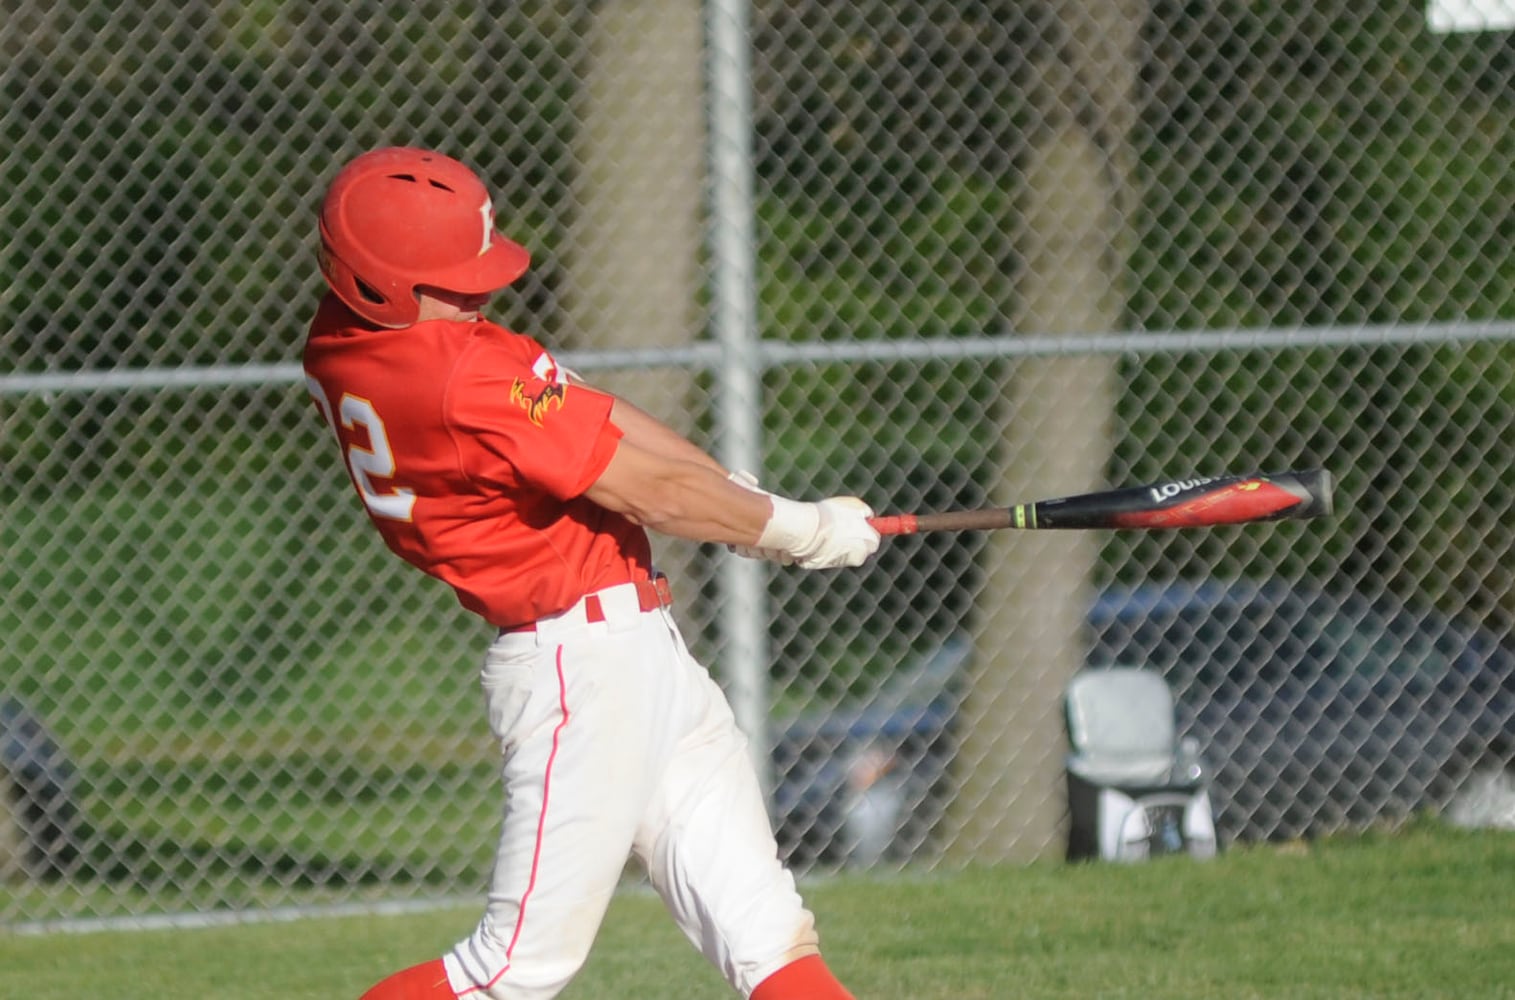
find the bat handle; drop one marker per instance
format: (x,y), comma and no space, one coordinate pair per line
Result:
(894,524)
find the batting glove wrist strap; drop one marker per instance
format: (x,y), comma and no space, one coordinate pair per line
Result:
(748,481)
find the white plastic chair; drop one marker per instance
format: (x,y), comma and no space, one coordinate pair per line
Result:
(1134,789)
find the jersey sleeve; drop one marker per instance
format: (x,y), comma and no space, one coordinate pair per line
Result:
(517,422)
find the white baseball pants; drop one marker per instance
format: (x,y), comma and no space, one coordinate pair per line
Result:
(617,742)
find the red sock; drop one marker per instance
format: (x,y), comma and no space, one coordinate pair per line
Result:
(419,982)
(805,979)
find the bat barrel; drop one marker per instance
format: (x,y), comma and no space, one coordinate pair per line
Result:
(1191,503)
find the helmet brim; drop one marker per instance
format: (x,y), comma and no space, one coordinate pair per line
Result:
(500,265)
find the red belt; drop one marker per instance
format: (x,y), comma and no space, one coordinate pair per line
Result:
(651,595)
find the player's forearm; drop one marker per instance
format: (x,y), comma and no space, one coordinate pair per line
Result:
(686,499)
(696,499)
(647,432)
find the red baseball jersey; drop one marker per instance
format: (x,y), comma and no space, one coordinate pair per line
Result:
(471,453)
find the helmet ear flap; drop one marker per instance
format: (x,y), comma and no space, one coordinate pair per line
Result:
(394,310)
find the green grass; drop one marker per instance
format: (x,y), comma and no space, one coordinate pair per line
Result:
(1424,913)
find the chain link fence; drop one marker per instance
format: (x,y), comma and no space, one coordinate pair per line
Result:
(992,252)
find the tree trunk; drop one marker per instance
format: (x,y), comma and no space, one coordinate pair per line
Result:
(633,260)
(1071,242)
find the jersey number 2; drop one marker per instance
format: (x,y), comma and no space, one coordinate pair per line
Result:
(365,464)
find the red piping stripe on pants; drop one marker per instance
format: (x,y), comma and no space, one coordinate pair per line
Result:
(536,855)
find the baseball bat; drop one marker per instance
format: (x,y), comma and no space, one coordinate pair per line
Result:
(1183,503)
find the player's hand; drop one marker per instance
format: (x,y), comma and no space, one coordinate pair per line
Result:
(845,537)
(765,555)
(827,535)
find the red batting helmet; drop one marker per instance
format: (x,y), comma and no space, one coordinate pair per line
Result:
(398,218)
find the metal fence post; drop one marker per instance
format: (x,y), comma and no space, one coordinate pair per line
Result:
(744,623)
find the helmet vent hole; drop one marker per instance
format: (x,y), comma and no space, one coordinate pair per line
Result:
(413,179)
(369,292)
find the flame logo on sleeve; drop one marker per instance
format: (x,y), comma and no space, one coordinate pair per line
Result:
(536,406)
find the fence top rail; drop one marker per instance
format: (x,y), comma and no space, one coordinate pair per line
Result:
(773,353)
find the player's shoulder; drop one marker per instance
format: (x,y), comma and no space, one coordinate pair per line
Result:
(493,336)
(495,348)
(501,377)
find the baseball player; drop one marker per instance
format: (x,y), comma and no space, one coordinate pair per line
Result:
(484,463)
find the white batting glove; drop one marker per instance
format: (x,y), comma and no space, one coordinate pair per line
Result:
(827,535)
(747,481)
